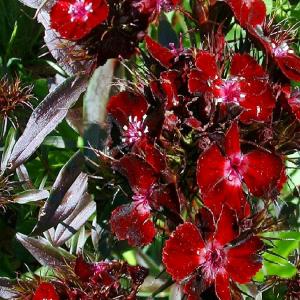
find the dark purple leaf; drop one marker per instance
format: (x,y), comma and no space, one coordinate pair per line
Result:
(33,3)
(85,208)
(43,252)
(7,289)
(48,114)
(58,207)
(30,196)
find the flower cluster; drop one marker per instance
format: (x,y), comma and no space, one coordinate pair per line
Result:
(82,280)
(105,29)
(200,134)
(194,155)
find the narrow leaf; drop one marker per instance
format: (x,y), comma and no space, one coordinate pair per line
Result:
(7,289)
(43,252)
(30,196)
(85,208)
(48,114)
(58,209)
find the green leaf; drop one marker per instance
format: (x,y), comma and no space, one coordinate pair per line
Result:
(276,261)
(269,6)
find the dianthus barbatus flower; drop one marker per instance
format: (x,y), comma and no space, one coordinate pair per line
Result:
(94,31)
(129,111)
(221,175)
(74,19)
(133,221)
(214,258)
(247,85)
(251,14)
(85,281)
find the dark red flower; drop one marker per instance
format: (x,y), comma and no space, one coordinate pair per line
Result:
(133,221)
(103,279)
(129,110)
(187,254)
(220,176)
(46,291)
(74,19)
(247,85)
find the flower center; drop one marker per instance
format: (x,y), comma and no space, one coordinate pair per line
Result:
(142,201)
(228,91)
(231,170)
(134,130)
(80,10)
(214,260)
(281,50)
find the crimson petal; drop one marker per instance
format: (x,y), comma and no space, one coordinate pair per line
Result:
(197,82)
(132,222)
(166,196)
(141,176)
(258,102)
(222,286)
(170,83)
(248,12)
(152,155)
(162,54)
(226,229)
(83,269)
(45,291)
(231,195)
(182,251)
(289,64)
(244,65)
(126,104)
(206,64)
(243,260)
(206,222)
(232,141)
(210,169)
(261,172)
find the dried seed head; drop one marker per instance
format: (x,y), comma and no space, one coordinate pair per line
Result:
(6,188)
(12,95)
